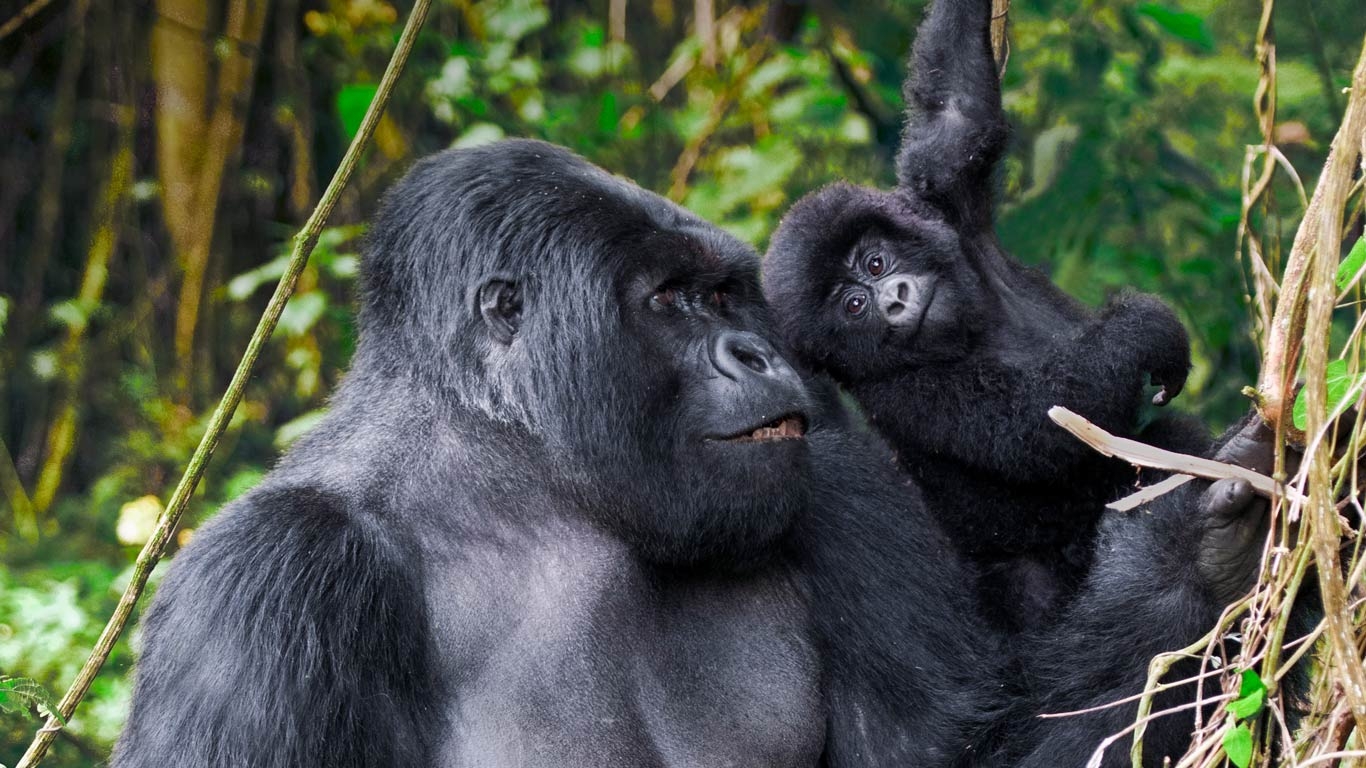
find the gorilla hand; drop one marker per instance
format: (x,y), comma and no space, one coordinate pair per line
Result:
(1234,523)
(1159,341)
(1233,519)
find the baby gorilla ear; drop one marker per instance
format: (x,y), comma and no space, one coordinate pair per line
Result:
(500,303)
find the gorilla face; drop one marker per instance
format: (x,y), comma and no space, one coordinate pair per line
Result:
(621,334)
(868,283)
(711,418)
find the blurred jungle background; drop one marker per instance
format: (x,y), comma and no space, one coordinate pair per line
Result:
(157,157)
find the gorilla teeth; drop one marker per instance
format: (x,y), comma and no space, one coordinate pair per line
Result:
(785,428)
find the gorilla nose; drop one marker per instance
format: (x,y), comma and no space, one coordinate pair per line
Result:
(739,354)
(894,298)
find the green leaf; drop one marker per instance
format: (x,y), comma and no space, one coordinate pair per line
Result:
(20,694)
(479,134)
(1186,27)
(352,101)
(1343,388)
(1251,696)
(302,312)
(1351,265)
(1251,683)
(295,428)
(245,284)
(1238,746)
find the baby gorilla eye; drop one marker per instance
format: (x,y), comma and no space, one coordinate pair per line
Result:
(855,304)
(876,266)
(718,299)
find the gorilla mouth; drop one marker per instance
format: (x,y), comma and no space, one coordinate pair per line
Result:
(789,427)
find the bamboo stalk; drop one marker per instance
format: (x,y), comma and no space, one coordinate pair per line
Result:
(304,243)
(62,436)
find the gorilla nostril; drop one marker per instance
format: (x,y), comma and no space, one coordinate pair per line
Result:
(903,291)
(893,309)
(737,354)
(749,358)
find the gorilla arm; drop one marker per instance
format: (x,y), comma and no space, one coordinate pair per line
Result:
(955,128)
(910,667)
(1161,580)
(289,635)
(993,415)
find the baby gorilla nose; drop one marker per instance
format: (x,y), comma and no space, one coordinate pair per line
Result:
(894,300)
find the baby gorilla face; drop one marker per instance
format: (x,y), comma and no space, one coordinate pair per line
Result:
(904,296)
(866,283)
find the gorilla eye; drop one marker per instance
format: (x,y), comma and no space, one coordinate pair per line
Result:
(663,298)
(876,266)
(855,304)
(718,299)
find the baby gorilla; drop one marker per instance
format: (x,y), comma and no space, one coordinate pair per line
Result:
(956,351)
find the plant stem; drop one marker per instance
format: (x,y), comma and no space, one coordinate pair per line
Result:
(1326,534)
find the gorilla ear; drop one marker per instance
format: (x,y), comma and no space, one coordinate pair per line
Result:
(500,303)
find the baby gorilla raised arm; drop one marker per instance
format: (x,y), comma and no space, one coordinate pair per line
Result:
(955,351)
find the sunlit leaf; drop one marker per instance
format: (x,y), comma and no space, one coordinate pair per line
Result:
(1238,745)
(1251,683)
(294,429)
(20,694)
(245,284)
(1350,266)
(1183,26)
(1251,696)
(302,312)
(478,134)
(1343,389)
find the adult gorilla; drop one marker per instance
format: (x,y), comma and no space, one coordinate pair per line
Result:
(571,508)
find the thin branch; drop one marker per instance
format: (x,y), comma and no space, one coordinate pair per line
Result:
(304,243)
(24,14)
(721,104)
(1000,41)
(1142,455)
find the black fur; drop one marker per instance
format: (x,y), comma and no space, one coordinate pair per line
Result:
(956,351)
(524,536)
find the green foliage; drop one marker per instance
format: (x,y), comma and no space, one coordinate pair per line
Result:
(1186,27)
(1343,389)
(1238,745)
(1238,741)
(20,694)
(1251,696)
(1349,271)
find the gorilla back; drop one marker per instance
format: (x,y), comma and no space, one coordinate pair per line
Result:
(539,525)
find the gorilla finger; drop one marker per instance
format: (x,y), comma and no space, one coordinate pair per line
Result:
(1252,447)
(1228,498)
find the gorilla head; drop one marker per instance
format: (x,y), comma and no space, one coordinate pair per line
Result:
(870,283)
(619,333)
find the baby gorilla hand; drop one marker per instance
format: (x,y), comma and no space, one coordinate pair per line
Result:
(1151,331)
(1233,519)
